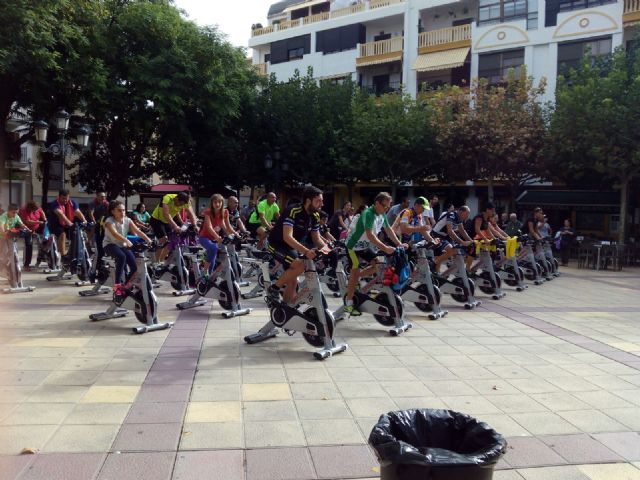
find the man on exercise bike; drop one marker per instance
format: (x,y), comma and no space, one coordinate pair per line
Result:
(413,226)
(287,237)
(63,211)
(450,229)
(166,218)
(363,244)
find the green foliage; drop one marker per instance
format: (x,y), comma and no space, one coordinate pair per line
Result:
(594,127)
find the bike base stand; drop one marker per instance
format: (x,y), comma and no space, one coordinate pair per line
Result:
(237,313)
(397,330)
(261,335)
(116,312)
(152,327)
(95,291)
(198,301)
(18,289)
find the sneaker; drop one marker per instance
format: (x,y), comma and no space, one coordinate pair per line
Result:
(273,293)
(352,310)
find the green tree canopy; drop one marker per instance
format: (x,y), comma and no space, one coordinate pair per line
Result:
(594,126)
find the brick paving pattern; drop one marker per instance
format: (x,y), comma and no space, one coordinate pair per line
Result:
(556,369)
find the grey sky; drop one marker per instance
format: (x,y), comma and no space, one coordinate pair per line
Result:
(234,18)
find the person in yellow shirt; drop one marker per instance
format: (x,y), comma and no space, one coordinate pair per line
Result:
(165,218)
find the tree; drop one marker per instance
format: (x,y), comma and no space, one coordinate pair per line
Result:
(390,138)
(47,61)
(492,132)
(172,89)
(594,125)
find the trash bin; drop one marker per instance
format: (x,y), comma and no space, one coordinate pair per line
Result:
(427,444)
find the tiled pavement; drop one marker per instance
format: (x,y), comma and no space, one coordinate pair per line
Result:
(556,369)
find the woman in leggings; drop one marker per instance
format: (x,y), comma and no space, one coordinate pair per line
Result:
(215,226)
(116,244)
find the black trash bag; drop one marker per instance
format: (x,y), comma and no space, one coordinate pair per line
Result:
(435,444)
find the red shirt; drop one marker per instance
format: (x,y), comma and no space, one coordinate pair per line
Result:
(30,218)
(216,223)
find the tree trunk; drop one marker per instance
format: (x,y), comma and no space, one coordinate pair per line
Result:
(624,197)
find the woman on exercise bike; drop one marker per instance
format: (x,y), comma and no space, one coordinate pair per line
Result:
(216,226)
(116,244)
(34,218)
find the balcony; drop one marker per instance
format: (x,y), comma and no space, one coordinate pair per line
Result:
(261,68)
(631,15)
(382,89)
(323,16)
(446,39)
(382,51)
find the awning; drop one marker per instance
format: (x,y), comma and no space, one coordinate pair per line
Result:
(443,60)
(337,75)
(568,198)
(378,59)
(304,5)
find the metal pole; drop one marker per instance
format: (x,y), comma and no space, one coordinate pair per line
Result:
(63,154)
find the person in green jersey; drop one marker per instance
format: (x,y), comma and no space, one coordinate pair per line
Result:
(363,244)
(261,219)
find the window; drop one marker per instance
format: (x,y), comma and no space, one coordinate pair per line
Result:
(496,11)
(570,54)
(296,53)
(340,39)
(267,57)
(555,6)
(290,49)
(495,66)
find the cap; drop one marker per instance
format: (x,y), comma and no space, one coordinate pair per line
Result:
(421,201)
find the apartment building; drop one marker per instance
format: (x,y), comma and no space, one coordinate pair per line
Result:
(384,45)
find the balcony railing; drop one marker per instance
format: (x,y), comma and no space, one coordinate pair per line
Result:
(382,3)
(631,6)
(391,87)
(631,11)
(321,17)
(381,47)
(261,68)
(445,38)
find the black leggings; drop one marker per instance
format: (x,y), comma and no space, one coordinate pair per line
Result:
(122,255)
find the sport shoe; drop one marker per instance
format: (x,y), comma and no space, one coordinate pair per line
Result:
(352,310)
(273,293)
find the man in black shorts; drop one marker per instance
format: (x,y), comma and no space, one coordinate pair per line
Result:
(286,237)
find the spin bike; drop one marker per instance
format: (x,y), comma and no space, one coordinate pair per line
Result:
(543,261)
(262,259)
(221,286)
(48,252)
(10,263)
(380,300)
(484,271)
(507,266)
(315,322)
(420,290)
(139,291)
(101,276)
(527,259)
(175,269)
(548,254)
(455,282)
(76,261)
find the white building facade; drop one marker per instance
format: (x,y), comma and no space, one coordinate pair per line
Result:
(386,45)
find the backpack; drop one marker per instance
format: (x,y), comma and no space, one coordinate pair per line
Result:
(398,271)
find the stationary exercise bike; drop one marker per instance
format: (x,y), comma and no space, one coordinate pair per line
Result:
(527,260)
(548,254)
(455,281)
(76,261)
(483,269)
(420,290)
(307,313)
(507,266)
(174,268)
(260,260)
(48,252)
(379,300)
(221,286)
(10,263)
(101,276)
(139,291)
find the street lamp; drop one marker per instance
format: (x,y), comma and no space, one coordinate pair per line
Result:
(64,146)
(276,164)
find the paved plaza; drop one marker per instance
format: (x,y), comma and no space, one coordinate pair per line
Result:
(555,369)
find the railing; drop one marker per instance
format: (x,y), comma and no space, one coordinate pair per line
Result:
(261,68)
(341,12)
(382,3)
(443,36)
(631,6)
(284,24)
(381,47)
(391,87)
(320,17)
(262,31)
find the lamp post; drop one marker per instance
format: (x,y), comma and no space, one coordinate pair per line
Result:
(277,165)
(69,141)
